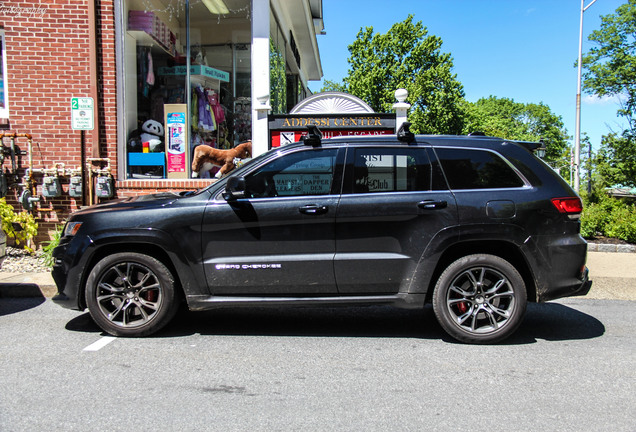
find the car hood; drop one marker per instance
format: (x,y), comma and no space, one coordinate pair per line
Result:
(138,202)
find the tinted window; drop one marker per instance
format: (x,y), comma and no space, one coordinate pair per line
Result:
(391,170)
(476,169)
(302,173)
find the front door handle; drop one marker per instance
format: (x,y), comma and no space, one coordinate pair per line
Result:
(313,209)
(432,204)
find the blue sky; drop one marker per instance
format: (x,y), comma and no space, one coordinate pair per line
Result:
(523,50)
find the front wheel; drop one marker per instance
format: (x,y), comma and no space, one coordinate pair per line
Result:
(480,299)
(131,294)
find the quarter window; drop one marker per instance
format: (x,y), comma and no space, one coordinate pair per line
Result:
(391,170)
(476,169)
(307,172)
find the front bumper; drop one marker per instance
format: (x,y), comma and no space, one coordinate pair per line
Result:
(67,274)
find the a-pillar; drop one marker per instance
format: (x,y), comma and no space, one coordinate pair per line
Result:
(260,76)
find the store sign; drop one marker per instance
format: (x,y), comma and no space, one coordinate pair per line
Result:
(196,70)
(287,129)
(82,113)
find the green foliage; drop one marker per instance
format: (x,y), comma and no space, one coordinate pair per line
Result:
(277,80)
(611,64)
(595,218)
(333,86)
(48,247)
(25,223)
(505,118)
(623,224)
(407,57)
(615,162)
(609,217)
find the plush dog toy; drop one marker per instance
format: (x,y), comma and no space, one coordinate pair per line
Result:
(205,157)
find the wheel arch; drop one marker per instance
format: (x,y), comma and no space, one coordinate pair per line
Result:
(503,249)
(149,249)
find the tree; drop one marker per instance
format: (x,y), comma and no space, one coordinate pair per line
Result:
(407,57)
(610,67)
(610,70)
(505,118)
(332,86)
(615,162)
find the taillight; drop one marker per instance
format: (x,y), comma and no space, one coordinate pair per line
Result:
(571,206)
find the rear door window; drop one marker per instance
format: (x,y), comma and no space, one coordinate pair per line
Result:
(391,170)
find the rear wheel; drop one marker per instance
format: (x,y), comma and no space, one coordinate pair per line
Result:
(480,299)
(131,294)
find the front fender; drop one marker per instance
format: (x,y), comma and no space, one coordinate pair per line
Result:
(184,259)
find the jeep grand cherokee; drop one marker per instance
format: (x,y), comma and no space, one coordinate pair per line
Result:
(477,226)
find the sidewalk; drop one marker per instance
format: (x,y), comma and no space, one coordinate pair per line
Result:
(613,275)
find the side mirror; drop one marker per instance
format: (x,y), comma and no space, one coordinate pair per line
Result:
(234,188)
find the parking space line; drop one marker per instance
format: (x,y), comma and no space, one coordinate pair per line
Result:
(96,346)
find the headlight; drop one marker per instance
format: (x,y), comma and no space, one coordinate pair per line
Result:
(71,228)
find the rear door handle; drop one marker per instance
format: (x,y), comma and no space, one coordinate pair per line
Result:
(313,209)
(432,205)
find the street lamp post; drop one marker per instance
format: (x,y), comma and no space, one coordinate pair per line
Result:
(577,133)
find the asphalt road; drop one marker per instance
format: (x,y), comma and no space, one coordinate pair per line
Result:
(571,366)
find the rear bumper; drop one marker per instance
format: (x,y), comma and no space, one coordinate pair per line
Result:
(580,288)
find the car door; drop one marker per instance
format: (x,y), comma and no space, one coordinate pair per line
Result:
(388,214)
(280,238)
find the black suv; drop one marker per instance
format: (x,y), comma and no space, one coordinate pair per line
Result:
(477,226)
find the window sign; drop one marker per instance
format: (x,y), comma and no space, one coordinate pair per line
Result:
(303,184)
(176,145)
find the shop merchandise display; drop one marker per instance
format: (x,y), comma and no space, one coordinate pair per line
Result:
(161,80)
(152,136)
(206,157)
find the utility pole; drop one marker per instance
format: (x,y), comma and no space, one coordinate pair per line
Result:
(577,133)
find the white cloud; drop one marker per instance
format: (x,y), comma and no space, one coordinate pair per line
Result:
(604,100)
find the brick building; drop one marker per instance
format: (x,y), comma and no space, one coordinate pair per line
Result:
(141,61)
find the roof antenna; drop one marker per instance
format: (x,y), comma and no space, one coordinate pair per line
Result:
(404,133)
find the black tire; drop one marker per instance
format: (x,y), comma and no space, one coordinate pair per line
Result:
(480,299)
(131,294)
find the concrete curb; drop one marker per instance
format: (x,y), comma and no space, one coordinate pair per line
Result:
(27,285)
(621,248)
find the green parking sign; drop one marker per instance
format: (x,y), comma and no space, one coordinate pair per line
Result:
(82,109)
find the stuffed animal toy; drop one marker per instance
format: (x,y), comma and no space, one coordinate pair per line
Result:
(206,157)
(153,135)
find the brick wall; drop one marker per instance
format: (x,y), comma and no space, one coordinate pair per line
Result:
(47,50)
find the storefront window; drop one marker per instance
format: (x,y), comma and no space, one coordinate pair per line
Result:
(170,108)
(4,104)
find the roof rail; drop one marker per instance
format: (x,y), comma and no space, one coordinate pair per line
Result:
(313,137)
(404,133)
